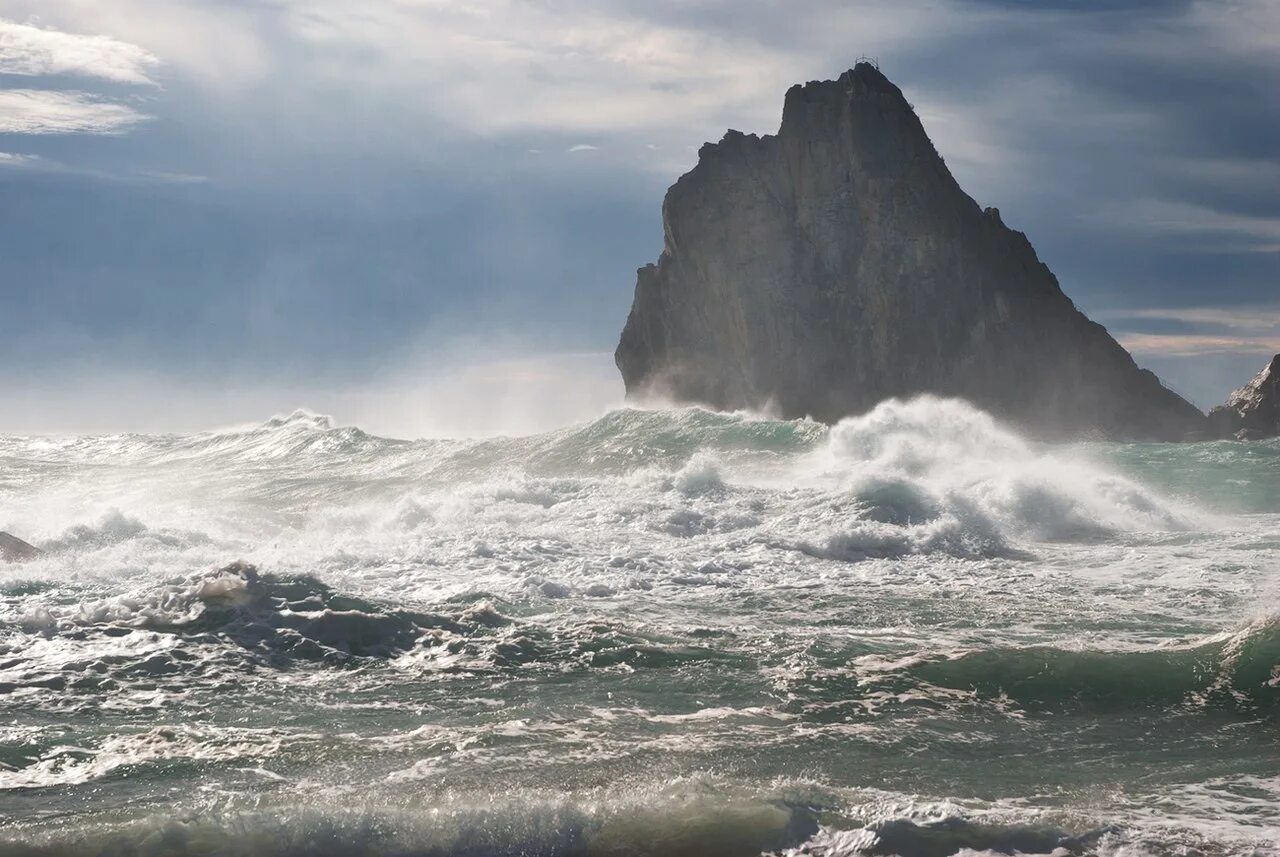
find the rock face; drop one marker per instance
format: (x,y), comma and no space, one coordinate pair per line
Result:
(821,270)
(14,549)
(1253,411)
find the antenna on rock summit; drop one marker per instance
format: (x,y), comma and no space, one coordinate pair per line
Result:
(874,62)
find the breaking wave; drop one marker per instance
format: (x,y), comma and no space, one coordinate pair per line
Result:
(928,457)
(1239,671)
(282,621)
(678,820)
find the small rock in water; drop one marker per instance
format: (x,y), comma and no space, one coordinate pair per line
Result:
(14,549)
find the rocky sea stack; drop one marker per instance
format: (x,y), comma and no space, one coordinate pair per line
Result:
(837,263)
(1253,411)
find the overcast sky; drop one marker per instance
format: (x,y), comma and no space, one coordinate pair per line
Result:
(425,216)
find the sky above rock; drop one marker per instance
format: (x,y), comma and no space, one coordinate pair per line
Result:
(425,216)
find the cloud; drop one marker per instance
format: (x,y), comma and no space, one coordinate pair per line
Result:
(1202,330)
(1254,318)
(172,177)
(30,50)
(17,159)
(1193,345)
(502,66)
(1237,26)
(39,111)
(584,147)
(1259,233)
(23,163)
(221,44)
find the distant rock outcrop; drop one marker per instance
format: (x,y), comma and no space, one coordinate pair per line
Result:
(836,264)
(14,549)
(1253,411)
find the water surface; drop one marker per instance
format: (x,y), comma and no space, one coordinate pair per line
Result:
(664,632)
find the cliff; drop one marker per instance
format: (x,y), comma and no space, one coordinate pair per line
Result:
(838,263)
(1253,411)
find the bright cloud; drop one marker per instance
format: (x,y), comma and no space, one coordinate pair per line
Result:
(1192,345)
(1241,318)
(30,50)
(38,111)
(1210,330)
(502,66)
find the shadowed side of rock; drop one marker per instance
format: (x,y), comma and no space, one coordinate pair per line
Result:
(824,269)
(1253,411)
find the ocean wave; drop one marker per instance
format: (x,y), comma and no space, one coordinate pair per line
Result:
(282,621)
(1237,672)
(115,528)
(64,765)
(675,821)
(922,476)
(300,435)
(916,458)
(934,475)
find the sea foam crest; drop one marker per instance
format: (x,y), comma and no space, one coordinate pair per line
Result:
(937,474)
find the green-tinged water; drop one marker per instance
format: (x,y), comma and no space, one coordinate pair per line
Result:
(665,632)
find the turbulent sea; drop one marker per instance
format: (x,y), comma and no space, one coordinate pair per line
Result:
(661,633)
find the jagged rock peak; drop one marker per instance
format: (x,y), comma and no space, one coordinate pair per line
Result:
(838,263)
(862,81)
(1251,412)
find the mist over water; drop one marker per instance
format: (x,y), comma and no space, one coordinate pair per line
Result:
(657,632)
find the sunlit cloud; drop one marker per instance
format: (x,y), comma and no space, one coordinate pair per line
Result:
(1254,318)
(26,49)
(1193,345)
(608,67)
(1207,330)
(18,159)
(39,111)
(32,51)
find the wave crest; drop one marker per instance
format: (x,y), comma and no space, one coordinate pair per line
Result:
(936,474)
(1237,672)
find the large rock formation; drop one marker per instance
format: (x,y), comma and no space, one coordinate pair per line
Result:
(838,263)
(1253,411)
